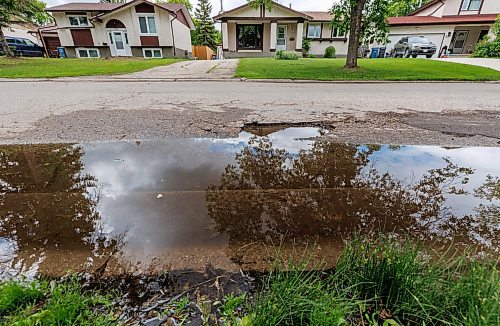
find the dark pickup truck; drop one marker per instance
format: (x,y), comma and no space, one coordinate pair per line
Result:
(23,47)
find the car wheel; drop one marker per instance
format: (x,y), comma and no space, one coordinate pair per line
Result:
(414,56)
(407,53)
(428,56)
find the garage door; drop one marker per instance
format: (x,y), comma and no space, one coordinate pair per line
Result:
(436,38)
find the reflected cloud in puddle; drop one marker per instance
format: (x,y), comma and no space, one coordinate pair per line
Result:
(72,207)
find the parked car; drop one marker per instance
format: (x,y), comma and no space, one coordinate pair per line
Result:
(23,47)
(413,46)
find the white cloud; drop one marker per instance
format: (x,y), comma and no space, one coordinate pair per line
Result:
(317,5)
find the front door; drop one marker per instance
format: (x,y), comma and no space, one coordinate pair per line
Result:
(281,38)
(460,37)
(119,42)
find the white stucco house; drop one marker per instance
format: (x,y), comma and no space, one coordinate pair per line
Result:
(457,25)
(250,32)
(136,28)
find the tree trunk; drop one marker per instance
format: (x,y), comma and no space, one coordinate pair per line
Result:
(5,45)
(356,23)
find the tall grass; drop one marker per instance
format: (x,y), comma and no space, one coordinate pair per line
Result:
(384,280)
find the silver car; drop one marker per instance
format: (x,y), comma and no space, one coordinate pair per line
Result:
(413,46)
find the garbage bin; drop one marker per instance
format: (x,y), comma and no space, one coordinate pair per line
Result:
(374,53)
(62,52)
(381,53)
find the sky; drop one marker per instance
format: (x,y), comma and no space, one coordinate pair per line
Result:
(316,5)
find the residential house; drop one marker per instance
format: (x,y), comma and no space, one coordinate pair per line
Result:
(259,32)
(138,28)
(21,29)
(457,25)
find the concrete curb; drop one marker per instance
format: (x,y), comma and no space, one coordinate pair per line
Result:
(226,80)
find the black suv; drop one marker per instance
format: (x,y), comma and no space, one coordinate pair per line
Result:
(23,47)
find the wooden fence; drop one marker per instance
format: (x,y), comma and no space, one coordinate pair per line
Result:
(202,52)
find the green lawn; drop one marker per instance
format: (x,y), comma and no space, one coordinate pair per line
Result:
(50,68)
(370,69)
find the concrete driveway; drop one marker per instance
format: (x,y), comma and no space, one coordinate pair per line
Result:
(481,62)
(192,70)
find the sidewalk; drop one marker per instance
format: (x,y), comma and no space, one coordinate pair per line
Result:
(481,62)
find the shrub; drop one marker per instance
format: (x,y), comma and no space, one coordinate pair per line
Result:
(306,46)
(286,55)
(330,52)
(487,49)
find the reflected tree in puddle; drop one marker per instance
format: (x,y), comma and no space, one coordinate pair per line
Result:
(331,191)
(45,211)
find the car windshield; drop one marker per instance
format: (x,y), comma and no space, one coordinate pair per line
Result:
(28,42)
(419,39)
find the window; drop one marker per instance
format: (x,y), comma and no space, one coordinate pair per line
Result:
(337,33)
(472,5)
(250,37)
(147,24)
(152,53)
(78,21)
(87,53)
(314,31)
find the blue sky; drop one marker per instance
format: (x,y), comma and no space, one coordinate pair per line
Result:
(316,5)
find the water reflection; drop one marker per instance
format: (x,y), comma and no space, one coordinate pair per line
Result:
(191,202)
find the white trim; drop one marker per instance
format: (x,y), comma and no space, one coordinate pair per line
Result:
(152,49)
(149,15)
(87,49)
(315,25)
(78,19)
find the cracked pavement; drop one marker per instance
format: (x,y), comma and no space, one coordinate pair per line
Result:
(74,110)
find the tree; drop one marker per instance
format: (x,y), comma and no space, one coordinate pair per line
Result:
(20,10)
(365,20)
(187,3)
(206,34)
(404,7)
(257,3)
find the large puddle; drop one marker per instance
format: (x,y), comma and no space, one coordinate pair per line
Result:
(147,207)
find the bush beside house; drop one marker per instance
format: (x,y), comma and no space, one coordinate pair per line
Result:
(489,48)
(330,52)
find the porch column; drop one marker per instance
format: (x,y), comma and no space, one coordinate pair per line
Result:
(274,31)
(225,37)
(300,35)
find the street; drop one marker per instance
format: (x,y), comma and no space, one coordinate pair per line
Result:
(84,110)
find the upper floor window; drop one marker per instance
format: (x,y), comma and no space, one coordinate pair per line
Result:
(78,21)
(314,31)
(337,33)
(147,24)
(472,5)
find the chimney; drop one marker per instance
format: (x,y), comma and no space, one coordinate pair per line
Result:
(290,5)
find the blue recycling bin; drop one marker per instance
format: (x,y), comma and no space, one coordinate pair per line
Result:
(62,52)
(374,53)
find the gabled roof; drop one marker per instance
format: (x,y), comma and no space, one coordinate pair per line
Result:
(445,20)
(84,6)
(319,16)
(275,4)
(427,5)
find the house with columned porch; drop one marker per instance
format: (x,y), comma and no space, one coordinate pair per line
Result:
(260,32)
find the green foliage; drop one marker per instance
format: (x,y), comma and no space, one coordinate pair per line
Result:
(489,48)
(292,296)
(330,52)
(306,45)
(62,303)
(187,3)
(404,7)
(268,4)
(206,34)
(286,55)
(17,295)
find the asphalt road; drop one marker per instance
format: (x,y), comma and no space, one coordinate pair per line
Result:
(80,110)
